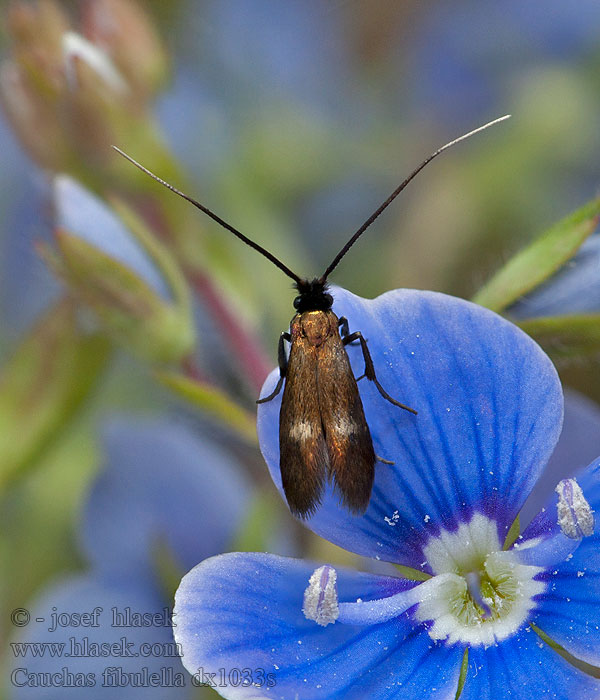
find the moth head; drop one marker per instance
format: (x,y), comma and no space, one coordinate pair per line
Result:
(313,296)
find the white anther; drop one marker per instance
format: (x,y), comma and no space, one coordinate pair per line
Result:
(321,598)
(575,516)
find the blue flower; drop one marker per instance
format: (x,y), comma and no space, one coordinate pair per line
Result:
(163,493)
(490,412)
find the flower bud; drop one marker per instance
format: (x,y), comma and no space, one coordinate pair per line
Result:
(78,50)
(36,30)
(134,290)
(67,97)
(124,31)
(97,106)
(30,81)
(32,118)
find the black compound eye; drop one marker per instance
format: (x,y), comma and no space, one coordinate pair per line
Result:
(297,302)
(329,299)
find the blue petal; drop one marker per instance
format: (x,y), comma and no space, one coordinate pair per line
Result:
(245,611)
(578,445)
(575,288)
(83,595)
(161,484)
(81,213)
(522,668)
(569,611)
(490,411)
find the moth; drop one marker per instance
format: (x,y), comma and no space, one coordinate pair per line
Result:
(323,432)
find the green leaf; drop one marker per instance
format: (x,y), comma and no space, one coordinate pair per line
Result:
(213,402)
(52,372)
(532,266)
(262,521)
(168,570)
(38,513)
(584,666)
(464,667)
(566,338)
(512,534)
(412,574)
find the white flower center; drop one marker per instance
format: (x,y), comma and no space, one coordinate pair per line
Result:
(483,594)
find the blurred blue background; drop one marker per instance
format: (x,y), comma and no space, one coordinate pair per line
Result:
(294,121)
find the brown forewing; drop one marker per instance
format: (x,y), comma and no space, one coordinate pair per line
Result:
(303,451)
(347,436)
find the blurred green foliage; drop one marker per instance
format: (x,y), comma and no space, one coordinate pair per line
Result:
(294,144)
(536,263)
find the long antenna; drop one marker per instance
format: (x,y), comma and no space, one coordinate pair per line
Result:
(397,191)
(214,217)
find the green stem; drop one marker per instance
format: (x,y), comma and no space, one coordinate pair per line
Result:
(249,353)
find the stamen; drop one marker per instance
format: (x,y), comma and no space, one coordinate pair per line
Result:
(575,516)
(321,598)
(372,612)
(545,553)
(474,587)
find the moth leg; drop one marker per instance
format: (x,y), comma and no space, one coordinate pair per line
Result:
(370,369)
(343,326)
(345,332)
(384,461)
(282,361)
